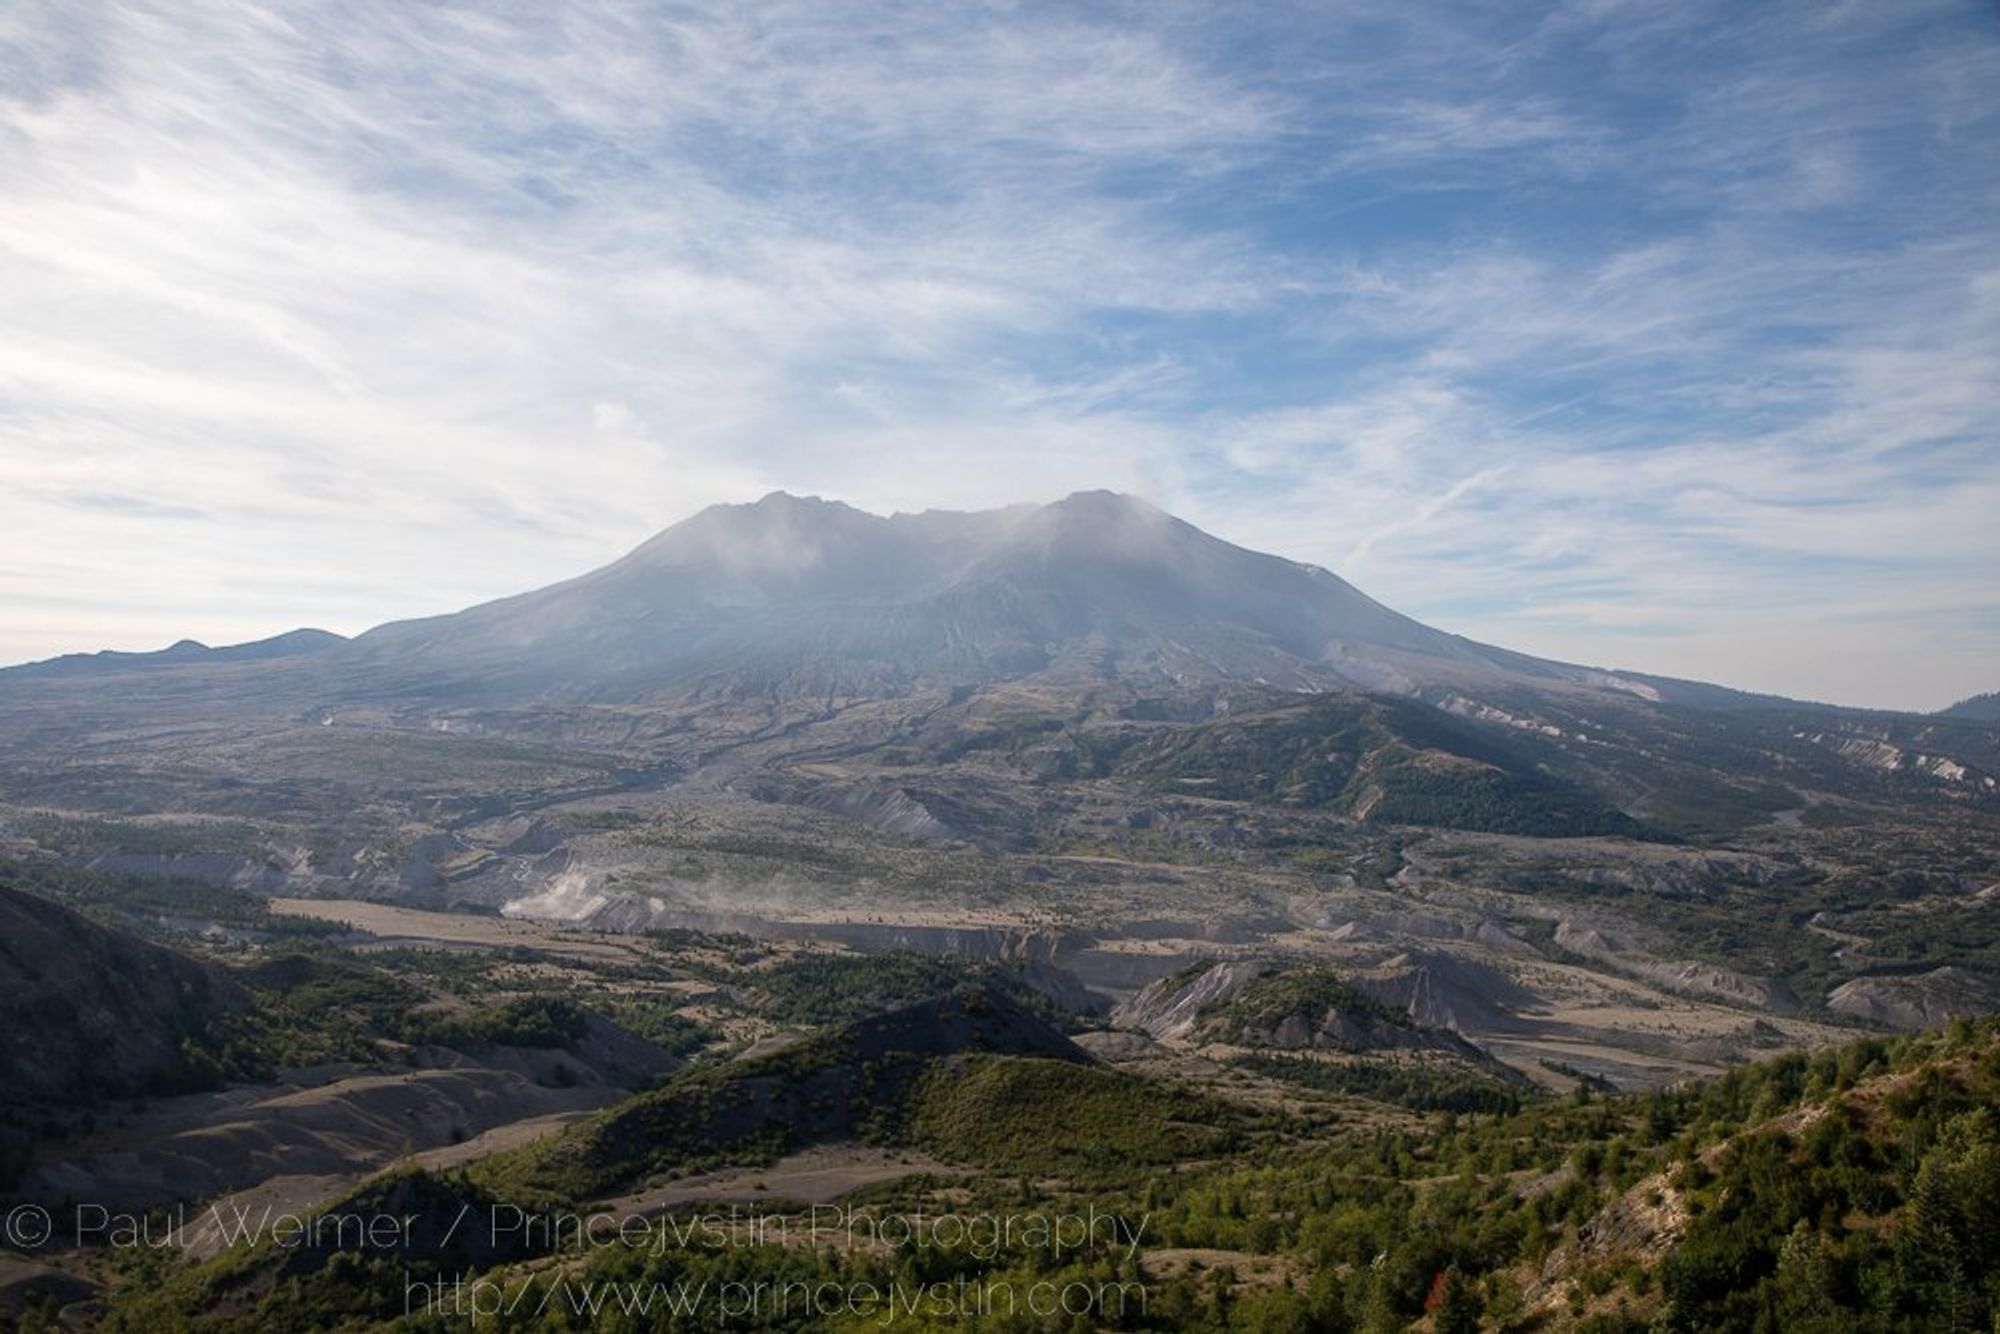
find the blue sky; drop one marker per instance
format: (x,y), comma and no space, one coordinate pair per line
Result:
(1659,336)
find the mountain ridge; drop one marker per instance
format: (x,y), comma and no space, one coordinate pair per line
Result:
(1976,708)
(806,597)
(291,643)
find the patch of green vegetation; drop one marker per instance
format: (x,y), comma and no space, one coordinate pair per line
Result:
(1840,815)
(1045,1117)
(841,988)
(1418,791)
(1317,858)
(749,852)
(852,1082)
(746,1112)
(1850,1222)
(1396,761)
(100,835)
(1420,1086)
(308,1012)
(1908,901)
(311,1011)
(1961,933)
(545,1022)
(141,901)
(1009,732)
(1143,845)
(606,820)
(658,1021)
(465,973)
(1268,1001)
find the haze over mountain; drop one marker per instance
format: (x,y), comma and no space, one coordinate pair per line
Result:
(183,652)
(799,597)
(801,653)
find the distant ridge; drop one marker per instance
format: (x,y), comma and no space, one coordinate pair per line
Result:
(1979,708)
(293,643)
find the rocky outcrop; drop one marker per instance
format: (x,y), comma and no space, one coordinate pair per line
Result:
(1640,1226)
(1684,977)
(1445,991)
(890,810)
(1172,1006)
(1922,1000)
(1274,1006)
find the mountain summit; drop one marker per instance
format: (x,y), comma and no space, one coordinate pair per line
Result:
(799,595)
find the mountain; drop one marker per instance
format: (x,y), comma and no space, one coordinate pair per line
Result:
(1083,735)
(1095,638)
(805,598)
(1335,874)
(811,597)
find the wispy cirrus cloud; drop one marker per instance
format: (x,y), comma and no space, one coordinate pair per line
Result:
(1656,337)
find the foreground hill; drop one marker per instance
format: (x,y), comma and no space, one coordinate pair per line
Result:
(831,1087)
(87,1012)
(1855,1189)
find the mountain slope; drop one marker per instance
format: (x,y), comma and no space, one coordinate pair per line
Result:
(793,597)
(1978,709)
(1387,759)
(86,1011)
(924,674)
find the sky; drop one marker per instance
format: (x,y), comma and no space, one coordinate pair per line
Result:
(1651,336)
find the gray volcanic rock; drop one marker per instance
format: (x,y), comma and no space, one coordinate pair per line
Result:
(792,597)
(1444,991)
(1172,1006)
(1686,977)
(1275,1006)
(1923,1000)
